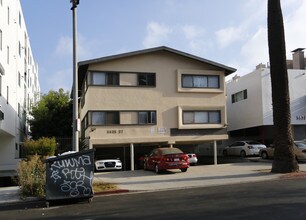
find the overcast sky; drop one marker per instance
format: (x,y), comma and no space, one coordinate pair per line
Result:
(231,32)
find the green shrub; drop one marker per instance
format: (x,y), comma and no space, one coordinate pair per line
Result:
(43,147)
(32,177)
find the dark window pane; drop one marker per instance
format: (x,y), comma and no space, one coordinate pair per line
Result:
(151,79)
(146,79)
(187,81)
(112,118)
(142,117)
(213,82)
(112,79)
(142,79)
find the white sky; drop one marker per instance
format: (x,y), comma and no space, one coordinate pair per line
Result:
(231,32)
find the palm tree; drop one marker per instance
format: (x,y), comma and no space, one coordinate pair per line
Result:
(284,156)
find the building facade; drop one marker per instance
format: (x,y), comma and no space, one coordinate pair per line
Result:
(133,102)
(249,102)
(19,86)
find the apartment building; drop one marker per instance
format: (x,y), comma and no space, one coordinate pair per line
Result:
(19,86)
(133,102)
(249,102)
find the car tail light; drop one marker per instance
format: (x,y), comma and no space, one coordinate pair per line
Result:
(186,158)
(304,151)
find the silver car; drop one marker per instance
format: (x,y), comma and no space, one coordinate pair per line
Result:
(108,164)
(243,148)
(192,158)
(299,150)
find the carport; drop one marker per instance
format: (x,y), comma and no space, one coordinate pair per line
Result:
(130,154)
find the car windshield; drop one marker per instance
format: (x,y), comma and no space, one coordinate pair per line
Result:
(253,142)
(300,144)
(171,151)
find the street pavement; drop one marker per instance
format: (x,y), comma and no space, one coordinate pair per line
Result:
(196,176)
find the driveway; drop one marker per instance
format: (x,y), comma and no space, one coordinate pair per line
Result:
(196,176)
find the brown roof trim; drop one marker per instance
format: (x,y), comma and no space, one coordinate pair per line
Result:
(227,69)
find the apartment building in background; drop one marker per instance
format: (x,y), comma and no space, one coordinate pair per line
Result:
(249,102)
(133,102)
(19,85)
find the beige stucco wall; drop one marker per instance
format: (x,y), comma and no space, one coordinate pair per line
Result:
(167,99)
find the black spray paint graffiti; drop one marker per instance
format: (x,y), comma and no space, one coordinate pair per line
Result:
(70,175)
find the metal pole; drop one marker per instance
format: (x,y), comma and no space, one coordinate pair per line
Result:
(132,156)
(215,153)
(75,135)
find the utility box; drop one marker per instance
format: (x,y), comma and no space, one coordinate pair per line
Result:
(70,176)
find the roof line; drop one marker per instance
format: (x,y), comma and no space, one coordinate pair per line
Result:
(138,52)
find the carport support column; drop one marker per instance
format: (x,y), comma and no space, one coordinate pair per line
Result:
(132,156)
(215,153)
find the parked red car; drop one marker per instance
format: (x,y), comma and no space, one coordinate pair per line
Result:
(166,158)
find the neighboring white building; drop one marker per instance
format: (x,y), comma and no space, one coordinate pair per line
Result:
(19,86)
(249,102)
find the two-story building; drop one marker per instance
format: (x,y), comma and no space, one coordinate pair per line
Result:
(133,102)
(249,103)
(19,86)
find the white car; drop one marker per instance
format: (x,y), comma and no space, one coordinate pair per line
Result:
(192,158)
(243,148)
(108,164)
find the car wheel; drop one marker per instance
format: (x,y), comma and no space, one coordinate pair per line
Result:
(242,153)
(264,155)
(184,169)
(225,153)
(157,169)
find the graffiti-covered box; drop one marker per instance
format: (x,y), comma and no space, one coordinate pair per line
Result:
(70,176)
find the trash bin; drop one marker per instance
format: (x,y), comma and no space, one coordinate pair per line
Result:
(70,176)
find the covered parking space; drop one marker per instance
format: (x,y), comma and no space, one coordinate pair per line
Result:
(132,155)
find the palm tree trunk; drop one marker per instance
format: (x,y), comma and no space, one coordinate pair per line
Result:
(284,156)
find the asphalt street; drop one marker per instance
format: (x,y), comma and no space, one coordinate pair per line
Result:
(277,199)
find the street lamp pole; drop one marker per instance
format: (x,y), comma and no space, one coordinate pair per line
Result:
(75,120)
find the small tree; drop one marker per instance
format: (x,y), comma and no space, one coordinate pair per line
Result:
(52,116)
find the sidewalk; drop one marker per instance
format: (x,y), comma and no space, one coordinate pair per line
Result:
(196,176)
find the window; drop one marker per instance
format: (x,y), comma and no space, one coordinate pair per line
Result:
(122,118)
(19,110)
(19,79)
(104,78)
(104,118)
(121,78)
(8,15)
(0,85)
(19,48)
(147,117)
(146,79)
(7,94)
(19,19)
(0,39)
(201,117)
(200,81)
(239,96)
(8,55)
